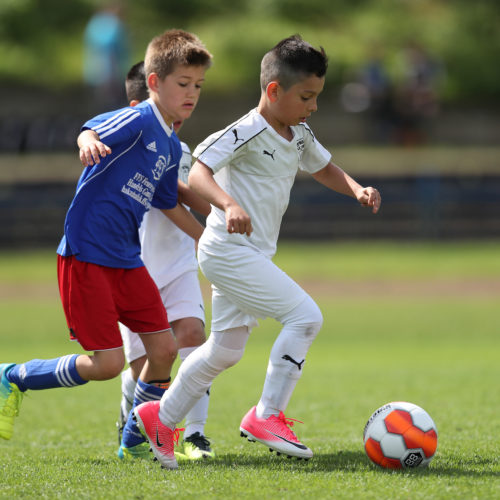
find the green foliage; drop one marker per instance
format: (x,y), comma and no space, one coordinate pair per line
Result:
(38,38)
(41,40)
(30,20)
(438,352)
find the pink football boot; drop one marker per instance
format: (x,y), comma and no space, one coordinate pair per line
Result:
(161,438)
(275,433)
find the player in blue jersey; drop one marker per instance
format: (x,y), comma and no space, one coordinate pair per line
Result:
(170,258)
(133,158)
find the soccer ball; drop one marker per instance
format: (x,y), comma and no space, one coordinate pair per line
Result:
(400,435)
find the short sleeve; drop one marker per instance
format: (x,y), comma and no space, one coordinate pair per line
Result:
(116,127)
(314,156)
(216,151)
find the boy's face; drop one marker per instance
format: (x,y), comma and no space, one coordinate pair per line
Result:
(297,103)
(179,92)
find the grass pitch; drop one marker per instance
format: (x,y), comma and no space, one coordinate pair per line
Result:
(402,322)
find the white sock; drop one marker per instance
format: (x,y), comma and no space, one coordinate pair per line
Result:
(288,357)
(128,390)
(196,373)
(196,417)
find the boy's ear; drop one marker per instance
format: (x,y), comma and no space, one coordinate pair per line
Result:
(152,81)
(272,91)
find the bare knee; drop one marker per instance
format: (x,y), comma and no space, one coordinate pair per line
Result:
(189,332)
(164,356)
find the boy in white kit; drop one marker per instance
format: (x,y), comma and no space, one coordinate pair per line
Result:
(169,255)
(246,172)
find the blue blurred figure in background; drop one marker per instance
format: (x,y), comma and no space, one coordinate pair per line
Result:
(417,94)
(375,76)
(106,56)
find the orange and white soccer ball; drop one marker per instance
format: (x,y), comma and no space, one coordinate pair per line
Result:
(400,435)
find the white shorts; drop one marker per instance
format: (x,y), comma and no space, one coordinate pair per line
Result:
(182,298)
(247,285)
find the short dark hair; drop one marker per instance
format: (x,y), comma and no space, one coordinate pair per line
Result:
(135,83)
(290,61)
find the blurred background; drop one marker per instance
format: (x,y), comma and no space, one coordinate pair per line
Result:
(411,104)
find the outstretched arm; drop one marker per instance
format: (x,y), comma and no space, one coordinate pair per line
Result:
(185,220)
(201,181)
(91,148)
(336,179)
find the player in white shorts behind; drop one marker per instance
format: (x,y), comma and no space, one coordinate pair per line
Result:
(246,172)
(169,256)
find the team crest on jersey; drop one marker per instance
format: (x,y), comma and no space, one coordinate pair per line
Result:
(160,166)
(184,172)
(300,147)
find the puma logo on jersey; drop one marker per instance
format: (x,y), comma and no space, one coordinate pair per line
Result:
(289,358)
(152,147)
(236,138)
(269,154)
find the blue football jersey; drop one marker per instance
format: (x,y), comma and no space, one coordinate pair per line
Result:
(111,197)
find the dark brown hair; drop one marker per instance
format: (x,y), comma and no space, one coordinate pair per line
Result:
(290,61)
(135,83)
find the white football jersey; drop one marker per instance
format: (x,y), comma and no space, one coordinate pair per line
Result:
(166,250)
(257,167)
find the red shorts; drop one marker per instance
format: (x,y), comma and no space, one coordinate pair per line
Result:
(96,297)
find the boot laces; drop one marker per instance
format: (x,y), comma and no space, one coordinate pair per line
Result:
(199,440)
(289,423)
(176,435)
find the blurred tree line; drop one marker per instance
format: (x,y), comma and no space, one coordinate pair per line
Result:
(41,41)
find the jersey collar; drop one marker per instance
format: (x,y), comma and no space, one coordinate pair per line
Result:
(157,113)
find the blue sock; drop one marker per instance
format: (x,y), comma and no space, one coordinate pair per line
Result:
(143,392)
(46,373)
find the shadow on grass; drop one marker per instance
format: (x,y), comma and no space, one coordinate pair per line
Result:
(350,461)
(342,460)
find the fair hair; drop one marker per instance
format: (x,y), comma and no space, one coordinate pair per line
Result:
(175,48)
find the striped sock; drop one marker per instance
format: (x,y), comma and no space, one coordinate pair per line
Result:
(143,392)
(46,373)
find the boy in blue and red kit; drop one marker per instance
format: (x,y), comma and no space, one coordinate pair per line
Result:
(102,279)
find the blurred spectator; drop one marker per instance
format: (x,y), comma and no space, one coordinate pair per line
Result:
(375,77)
(370,91)
(399,104)
(416,98)
(106,57)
